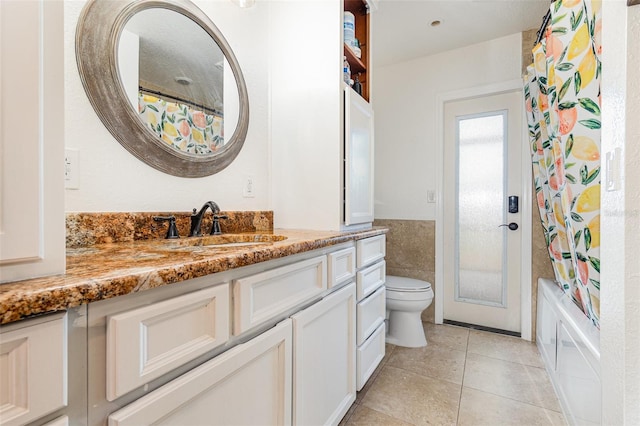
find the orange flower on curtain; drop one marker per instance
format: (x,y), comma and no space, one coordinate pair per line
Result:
(562,95)
(180,126)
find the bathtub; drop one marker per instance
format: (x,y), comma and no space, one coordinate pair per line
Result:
(570,348)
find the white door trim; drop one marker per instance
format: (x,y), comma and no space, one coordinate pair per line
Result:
(525,202)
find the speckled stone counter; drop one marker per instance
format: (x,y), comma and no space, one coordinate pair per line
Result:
(102,271)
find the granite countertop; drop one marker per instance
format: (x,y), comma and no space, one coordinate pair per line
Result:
(104,271)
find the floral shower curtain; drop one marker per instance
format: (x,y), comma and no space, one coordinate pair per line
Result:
(180,126)
(562,95)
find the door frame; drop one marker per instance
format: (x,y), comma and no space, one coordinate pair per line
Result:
(525,202)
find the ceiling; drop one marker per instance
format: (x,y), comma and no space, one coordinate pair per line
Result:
(401,28)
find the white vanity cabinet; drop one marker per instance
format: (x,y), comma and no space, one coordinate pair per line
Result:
(371,307)
(32,234)
(324,343)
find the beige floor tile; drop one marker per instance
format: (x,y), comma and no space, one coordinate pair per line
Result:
(510,380)
(507,348)
(413,398)
(448,336)
(364,416)
(480,408)
(433,361)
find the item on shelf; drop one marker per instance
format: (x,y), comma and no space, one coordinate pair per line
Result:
(346,71)
(355,47)
(349,27)
(357,86)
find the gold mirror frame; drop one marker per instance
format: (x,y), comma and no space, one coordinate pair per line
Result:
(97,35)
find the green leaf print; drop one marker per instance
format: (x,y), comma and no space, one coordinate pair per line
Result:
(595,283)
(577,80)
(592,176)
(564,53)
(587,238)
(152,107)
(566,255)
(584,173)
(558,19)
(576,21)
(567,105)
(569,165)
(570,178)
(557,6)
(564,67)
(595,262)
(591,123)
(589,105)
(576,238)
(576,217)
(564,88)
(560,30)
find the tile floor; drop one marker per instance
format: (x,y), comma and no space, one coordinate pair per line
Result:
(462,377)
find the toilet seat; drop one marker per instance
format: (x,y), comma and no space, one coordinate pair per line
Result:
(404,284)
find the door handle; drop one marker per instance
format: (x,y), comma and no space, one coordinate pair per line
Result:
(513,226)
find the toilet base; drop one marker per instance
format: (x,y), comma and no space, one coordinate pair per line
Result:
(405,329)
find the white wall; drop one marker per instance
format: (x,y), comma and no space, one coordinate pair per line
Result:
(620,216)
(111,179)
(405,124)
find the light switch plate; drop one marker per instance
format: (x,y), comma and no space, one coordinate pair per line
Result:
(612,170)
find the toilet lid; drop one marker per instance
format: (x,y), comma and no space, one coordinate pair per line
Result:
(406,284)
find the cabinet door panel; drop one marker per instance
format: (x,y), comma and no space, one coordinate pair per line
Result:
(358,123)
(370,313)
(341,266)
(370,250)
(370,279)
(145,343)
(263,296)
(32,233)
(247,385)
(324,361)
(33,370)
(370,353)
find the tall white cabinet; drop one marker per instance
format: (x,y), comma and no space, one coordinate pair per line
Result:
(313,180)
(31,139)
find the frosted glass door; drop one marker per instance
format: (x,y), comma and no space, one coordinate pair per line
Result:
(479,263)
(482,167)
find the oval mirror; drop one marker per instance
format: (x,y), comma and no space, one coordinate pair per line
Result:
(165,83)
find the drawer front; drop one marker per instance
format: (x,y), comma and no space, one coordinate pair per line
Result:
(370,279)
(341,266)
(249,384)
(145,343)
(371,313)
(33,370)
(370,250)
(369,356)
(264,296)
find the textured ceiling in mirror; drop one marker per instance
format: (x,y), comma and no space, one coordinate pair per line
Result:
(172,47)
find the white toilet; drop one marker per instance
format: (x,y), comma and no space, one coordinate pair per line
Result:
(406,299)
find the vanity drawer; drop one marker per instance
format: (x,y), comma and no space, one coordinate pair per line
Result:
(370,250)
(371,313)
(145,343)
(370,279)
(33,369)
(264,296)
(341,266)
(369,355)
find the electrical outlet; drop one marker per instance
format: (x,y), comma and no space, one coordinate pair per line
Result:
(71,169)
(248,190)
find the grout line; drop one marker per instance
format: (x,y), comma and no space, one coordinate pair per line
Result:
(516,400)
(464,369)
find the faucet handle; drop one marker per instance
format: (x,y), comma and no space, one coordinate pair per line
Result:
(172,230)
(215,226)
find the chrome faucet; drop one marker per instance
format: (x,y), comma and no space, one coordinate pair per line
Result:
(196,220)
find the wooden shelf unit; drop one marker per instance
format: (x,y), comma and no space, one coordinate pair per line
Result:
(359,66)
